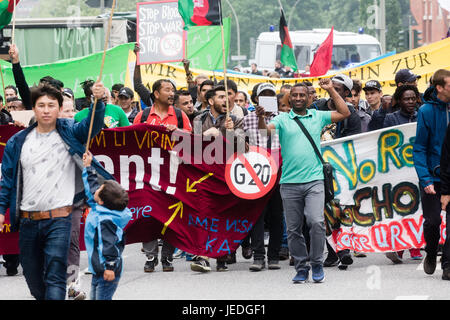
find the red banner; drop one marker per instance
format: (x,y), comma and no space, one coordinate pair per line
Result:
(9,241)
(177,189)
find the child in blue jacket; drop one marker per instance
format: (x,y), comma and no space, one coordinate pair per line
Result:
(103,233)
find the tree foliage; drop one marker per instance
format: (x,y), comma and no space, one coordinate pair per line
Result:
(257,16)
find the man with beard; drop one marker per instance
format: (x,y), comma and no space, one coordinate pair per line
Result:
(302,187)
(215,122)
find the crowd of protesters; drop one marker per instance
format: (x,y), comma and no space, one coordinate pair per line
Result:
(293,218)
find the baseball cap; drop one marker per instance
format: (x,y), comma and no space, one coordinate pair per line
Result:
(126,92)
(68,92)
(266,86)
(372,84)
(405,75)
(343,79)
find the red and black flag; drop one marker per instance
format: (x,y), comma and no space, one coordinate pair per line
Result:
(6,12)
(200,12)
(287,49)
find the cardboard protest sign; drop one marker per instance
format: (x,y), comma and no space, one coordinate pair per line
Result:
(160,32)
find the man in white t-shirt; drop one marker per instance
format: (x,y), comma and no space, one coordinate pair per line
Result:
(40,182)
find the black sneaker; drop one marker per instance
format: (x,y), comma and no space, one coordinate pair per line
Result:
(284,253)
(166,264)
(11,271)
(257,265)
(221,266)
(151,264)
(247,252)
(345,257)
(231,258)
(331,262)
(446,274)
(200,265)
(429,264)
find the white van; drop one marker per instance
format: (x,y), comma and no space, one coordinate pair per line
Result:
(348,48)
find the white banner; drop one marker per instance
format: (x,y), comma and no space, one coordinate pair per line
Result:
(378,191)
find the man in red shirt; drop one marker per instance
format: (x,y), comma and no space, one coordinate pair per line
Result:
(162,112)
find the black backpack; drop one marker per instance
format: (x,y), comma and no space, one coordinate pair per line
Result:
(178,113)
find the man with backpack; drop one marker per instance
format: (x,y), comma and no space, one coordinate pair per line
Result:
(162,113)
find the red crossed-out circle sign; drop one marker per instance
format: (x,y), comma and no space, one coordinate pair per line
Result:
(251,175)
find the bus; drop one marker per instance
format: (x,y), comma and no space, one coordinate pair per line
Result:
(348,48)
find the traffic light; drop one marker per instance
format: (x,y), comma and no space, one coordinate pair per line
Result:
(417,38)
(403,39)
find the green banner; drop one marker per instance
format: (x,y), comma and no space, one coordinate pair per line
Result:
(204,47)
(74,71)
(204,50)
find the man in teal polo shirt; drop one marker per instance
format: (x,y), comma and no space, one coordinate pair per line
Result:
(302,188)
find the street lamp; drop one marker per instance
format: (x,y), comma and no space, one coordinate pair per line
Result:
(290,14)
(238,31)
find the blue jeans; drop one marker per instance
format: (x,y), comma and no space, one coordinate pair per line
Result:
(101,289)
(44,247)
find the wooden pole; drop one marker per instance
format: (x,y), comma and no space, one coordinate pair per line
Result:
(108,32)
(225,78)
(3,84)
(13,24)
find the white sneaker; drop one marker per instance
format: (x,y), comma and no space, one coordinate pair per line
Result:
(74,293)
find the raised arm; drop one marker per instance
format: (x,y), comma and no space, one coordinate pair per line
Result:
(342,110)
(19,77)
(81,129)
(139,87)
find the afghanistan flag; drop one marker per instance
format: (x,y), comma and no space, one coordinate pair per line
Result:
(6,12)
(287,49)
(200,12)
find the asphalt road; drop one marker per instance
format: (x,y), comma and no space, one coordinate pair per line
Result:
(371,278)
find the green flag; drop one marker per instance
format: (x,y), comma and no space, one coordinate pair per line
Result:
(204,46)
(6,12)
(287,49)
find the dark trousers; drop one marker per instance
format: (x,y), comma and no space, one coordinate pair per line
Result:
(431,207)
(273,214)
(73,259)
(11,261)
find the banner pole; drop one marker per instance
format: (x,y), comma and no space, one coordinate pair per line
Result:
(13,23)
(108,32)
(3,84)
(225,78)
